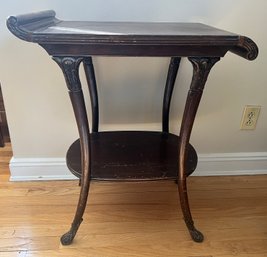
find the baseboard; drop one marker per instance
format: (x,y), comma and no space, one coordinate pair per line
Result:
(24,169)
(222,164)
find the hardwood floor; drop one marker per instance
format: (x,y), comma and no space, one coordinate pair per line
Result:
(133,219)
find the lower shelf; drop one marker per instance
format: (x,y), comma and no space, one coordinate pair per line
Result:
(132,155)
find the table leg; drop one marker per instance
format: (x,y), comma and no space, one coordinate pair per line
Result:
(172,73)
(69,66)
(91,81)
(2,142)
(201,69)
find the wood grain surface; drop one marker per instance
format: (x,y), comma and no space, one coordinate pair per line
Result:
(133,219)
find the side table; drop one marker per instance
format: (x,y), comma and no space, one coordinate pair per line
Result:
(130,155)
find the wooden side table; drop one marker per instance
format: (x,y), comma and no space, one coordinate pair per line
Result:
(134,155)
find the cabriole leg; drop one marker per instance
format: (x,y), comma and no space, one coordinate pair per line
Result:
(201,69)
(69,66)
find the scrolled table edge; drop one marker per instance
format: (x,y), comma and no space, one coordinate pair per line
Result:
(246,48)
(36,19)
(23,27)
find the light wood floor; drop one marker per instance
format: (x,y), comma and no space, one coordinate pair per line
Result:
(133,219)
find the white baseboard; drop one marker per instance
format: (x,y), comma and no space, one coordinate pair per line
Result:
(24,169)
(220,164)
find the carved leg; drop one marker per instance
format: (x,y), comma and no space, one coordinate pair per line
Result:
(172,73)
(201,69)
(91,81)
(69,66)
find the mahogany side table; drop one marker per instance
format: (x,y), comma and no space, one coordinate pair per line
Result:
(130,155)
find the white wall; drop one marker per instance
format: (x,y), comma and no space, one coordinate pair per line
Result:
(130,89)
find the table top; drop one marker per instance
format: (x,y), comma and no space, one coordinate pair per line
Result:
(44,28)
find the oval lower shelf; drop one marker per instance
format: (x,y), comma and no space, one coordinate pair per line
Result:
(132,155)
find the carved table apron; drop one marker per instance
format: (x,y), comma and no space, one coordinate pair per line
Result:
(132,155)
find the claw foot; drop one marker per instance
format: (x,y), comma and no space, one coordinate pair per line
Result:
(196,235)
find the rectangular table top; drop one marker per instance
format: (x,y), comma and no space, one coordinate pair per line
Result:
(165,31)
(105,37)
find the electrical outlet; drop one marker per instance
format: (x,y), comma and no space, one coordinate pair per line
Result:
(250,117)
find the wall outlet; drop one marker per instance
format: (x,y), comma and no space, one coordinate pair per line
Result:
(250,117)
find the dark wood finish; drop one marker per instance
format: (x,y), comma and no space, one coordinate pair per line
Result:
(91,81)
(73,42)
(132,156)
(4,132)
(69,66)
(2,142)
(86,38)
(171,77)
(201,71)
